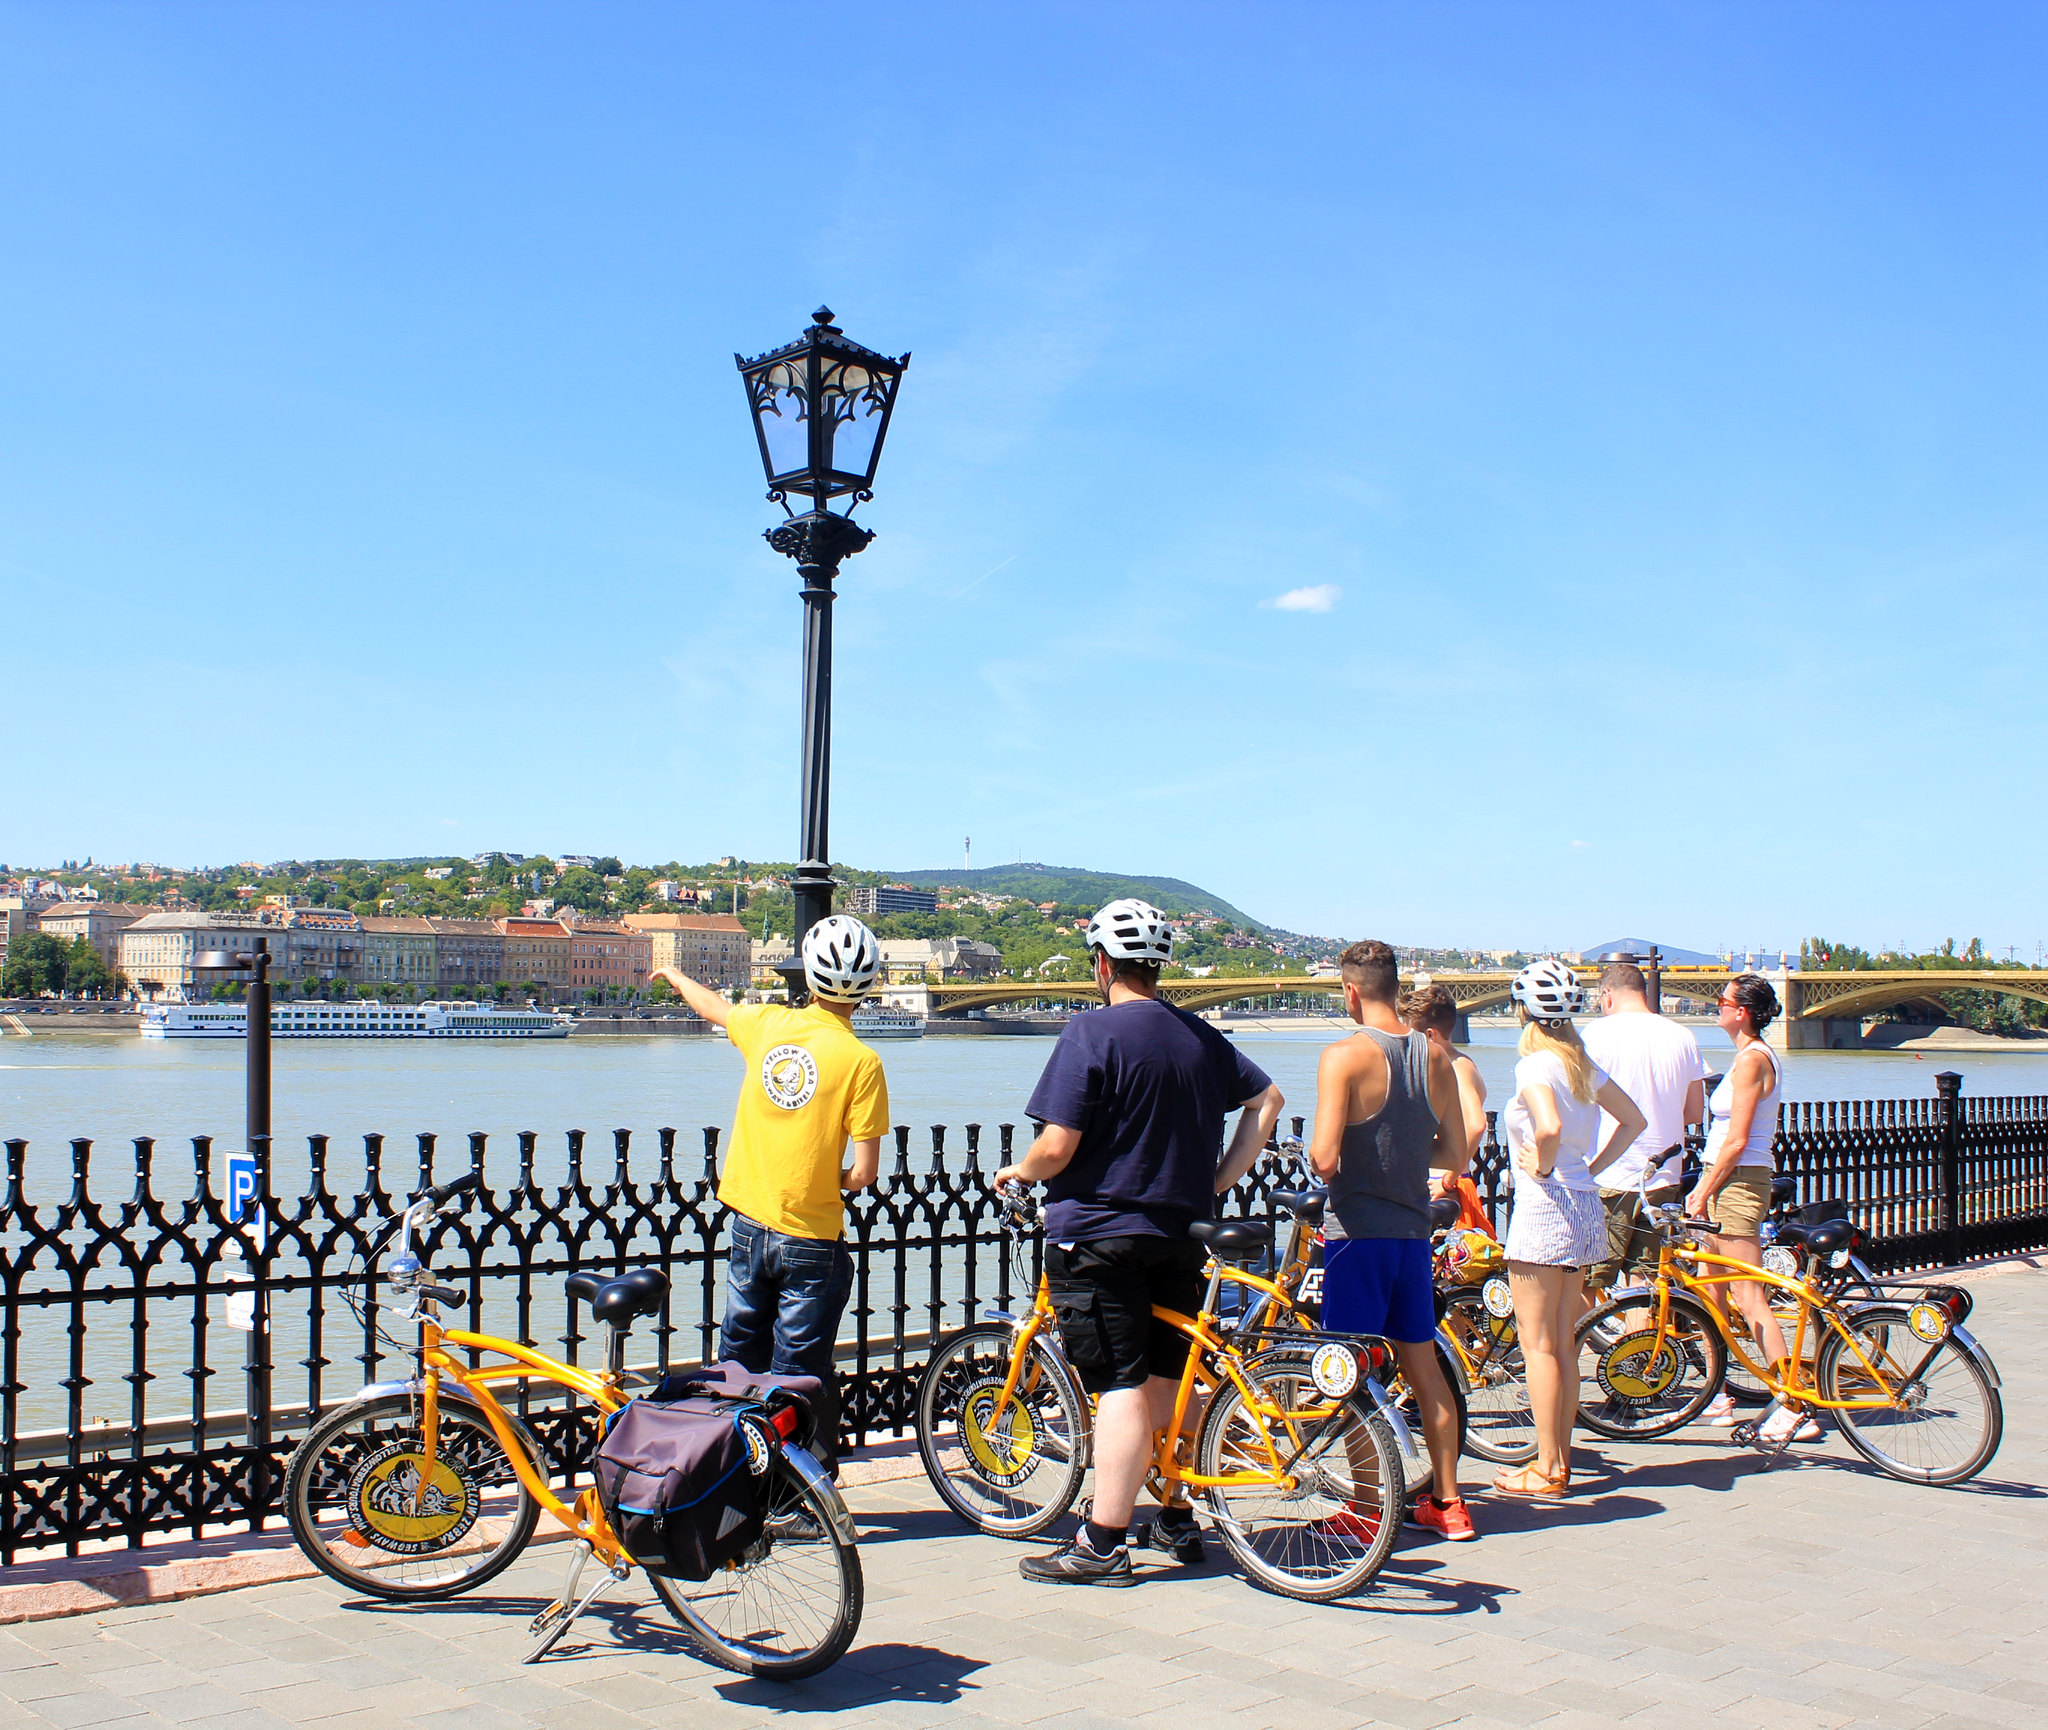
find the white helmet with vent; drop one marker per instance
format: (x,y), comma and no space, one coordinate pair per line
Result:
(841,959)
(1548,990)
(1132,930)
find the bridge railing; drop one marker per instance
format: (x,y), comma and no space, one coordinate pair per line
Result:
(131,1406)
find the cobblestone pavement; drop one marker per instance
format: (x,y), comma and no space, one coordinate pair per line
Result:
(1686,1584)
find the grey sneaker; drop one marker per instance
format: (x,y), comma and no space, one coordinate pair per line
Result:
(1074,1563)
(1180,1539)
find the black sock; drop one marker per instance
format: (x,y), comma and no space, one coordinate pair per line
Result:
(1103,1539)
(1176,1519)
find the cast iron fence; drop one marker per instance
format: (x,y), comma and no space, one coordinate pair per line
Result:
(103,1300)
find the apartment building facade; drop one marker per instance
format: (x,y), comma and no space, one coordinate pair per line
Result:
(100,923)
(607,958)
(467,952)
(536,954)
(712,948)
(399,951)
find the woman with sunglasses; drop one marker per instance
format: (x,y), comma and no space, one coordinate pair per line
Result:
(1735,1190)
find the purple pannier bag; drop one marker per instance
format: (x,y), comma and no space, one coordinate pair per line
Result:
(681,1482)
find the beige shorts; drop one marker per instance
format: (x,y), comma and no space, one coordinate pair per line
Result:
(1744,1202)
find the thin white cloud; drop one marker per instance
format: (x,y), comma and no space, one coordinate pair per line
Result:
(1582,843)
(1319,599)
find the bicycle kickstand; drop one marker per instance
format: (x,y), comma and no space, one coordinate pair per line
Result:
(553,1622)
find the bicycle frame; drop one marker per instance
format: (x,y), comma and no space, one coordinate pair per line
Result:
(585,1519)
(1205,1344)
(1798,1385)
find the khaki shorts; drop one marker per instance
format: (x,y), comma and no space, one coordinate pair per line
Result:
(1621,1230)
(1744,1202)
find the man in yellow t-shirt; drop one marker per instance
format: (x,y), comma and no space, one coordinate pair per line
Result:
(810,1088)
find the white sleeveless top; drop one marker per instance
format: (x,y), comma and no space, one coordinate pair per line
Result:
(1763,1128)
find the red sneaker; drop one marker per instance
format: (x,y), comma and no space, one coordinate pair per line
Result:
(1452,1521)
(1351,1524)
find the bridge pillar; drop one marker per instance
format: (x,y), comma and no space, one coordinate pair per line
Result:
(1790,1032)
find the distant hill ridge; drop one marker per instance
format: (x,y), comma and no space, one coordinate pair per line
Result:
(1089,888)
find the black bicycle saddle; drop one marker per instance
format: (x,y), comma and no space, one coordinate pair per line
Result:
(1233,1239)
(1304,1204)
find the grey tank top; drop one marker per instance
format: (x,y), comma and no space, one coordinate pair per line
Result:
(1382,1184)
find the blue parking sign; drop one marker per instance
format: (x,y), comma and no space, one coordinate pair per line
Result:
(241,1185)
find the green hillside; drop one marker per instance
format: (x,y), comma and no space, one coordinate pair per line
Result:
(1086,888)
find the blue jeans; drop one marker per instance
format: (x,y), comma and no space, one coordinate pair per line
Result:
(783,1299)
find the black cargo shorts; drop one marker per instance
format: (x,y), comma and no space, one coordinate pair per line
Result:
(1103,1292)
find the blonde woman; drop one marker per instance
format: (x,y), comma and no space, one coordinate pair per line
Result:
(1559,1225)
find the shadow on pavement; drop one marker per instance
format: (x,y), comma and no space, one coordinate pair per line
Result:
(866,1676)
(1588,1507)
(893,1525)
(1412,1585)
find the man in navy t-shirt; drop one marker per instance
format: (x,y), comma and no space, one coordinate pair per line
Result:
(1132,1107)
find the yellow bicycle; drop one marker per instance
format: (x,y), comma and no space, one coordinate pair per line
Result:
(427,1487)
(1905,1382)
(1284,1438)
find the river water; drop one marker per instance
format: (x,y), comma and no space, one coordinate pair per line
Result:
(112,1088)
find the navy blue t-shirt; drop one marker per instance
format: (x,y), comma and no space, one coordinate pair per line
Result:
(1148,1086)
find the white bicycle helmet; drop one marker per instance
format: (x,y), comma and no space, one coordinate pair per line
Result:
(1549,990)
(1131,930)
(841,958)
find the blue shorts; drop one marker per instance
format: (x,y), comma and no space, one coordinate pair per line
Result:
(1379,1285)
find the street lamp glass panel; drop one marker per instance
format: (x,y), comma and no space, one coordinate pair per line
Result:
(783,412)
(854,406)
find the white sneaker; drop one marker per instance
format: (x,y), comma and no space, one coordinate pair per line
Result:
(1720,1413)
(1786,1425)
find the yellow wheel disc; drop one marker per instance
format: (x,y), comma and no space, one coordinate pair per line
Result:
(1002,1443)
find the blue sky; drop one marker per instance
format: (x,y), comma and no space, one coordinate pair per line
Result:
(1651,398)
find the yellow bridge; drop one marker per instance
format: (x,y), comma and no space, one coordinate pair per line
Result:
(1813,1001)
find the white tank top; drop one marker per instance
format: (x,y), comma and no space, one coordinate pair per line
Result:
(1763,1128)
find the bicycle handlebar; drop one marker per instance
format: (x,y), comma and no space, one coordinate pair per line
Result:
(454,1186)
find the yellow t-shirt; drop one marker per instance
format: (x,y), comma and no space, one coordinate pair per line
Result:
(810,1088)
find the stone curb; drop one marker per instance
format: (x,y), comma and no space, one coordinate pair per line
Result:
(165,1573)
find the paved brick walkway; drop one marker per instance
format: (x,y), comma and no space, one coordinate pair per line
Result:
(1688,1585)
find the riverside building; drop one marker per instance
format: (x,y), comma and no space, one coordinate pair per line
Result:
(712,948)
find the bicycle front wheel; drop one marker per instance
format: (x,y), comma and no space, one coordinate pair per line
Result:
(1631,1387)
(1942,1420)
(1499,1424)
(791,1605)
(372,1511)
(1327,1531)
(1007,1469)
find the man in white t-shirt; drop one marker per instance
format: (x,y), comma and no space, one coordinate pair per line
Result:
(1657,1064)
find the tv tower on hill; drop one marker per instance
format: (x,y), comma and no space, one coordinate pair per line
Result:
(967,854)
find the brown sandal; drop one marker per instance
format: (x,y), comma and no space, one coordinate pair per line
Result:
(1534,1484)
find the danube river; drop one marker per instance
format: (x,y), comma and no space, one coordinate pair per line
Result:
(111,1088)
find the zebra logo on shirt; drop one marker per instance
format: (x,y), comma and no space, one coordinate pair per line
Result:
(789,1076)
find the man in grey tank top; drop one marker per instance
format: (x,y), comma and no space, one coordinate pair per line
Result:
(1387,1110)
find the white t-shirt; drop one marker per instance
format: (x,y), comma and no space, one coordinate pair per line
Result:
(1654,1062)
(1578,1120)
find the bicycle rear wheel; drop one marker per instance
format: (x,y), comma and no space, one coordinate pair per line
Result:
(1946,1419)
(1631,1392)
(1328,1535)
(1008,1470)
(369,1511)
(1499,1425)
(792,1604)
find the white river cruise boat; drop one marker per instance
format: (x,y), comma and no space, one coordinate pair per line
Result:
(873,1022)
(358,1020)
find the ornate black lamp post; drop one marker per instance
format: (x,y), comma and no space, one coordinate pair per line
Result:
(821,408)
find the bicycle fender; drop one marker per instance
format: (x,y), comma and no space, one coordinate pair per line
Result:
(814,1477)
(1978,1355)
(380,1390)
(1395,1417)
